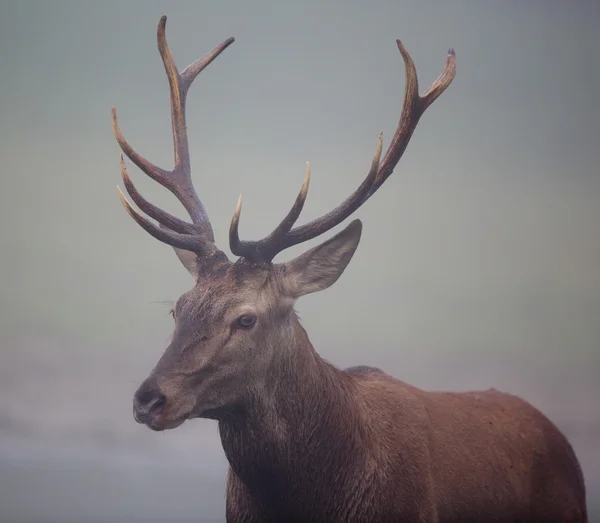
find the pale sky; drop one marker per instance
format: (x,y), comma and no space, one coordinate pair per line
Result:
(479,263)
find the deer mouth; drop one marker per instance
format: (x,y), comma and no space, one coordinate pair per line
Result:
(159,425)
(160,422)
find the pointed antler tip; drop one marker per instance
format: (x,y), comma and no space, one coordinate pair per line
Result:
(113,115)
(405,54)
(160,31)
(122,196)
(115,126)
(128,207)
(306,179)
(125,175)
(233,226)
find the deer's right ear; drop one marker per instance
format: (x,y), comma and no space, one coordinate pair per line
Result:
(320,267)
(188,259)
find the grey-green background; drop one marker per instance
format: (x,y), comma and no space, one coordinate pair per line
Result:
(480,259)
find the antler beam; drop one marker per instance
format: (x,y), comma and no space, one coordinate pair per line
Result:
(412,109)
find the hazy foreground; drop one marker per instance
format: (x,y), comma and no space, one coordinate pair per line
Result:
(126,473)
(42,483)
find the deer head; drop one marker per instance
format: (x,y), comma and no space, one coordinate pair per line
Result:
(238,315)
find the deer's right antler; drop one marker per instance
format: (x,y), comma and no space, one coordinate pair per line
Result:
(196,236)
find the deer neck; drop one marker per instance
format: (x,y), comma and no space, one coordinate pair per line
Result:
(299,427)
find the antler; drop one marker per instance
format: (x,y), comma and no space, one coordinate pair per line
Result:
(284,236)
(196,236)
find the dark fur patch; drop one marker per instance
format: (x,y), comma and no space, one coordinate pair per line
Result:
(363,369)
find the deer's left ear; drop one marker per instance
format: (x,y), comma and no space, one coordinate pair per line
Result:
(188,260)
(321,266)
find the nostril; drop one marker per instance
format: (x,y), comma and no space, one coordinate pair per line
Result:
(148,401)
(146,394)
(156,403)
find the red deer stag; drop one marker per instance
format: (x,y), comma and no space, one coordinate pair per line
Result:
(306,441)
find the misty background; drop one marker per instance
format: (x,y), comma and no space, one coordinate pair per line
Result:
(479,263)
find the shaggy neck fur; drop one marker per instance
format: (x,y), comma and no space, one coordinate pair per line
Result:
(280,442)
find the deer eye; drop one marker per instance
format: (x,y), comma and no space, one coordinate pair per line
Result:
(246,321)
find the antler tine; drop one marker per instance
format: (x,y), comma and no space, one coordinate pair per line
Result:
(266,249)
(412,109)
(175,239)
(162,217)
(178,180)
(258,251)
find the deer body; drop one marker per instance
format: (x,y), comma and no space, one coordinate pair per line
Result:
(307,442)
(358,445)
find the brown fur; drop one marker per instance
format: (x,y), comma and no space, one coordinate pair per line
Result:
(362,446)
